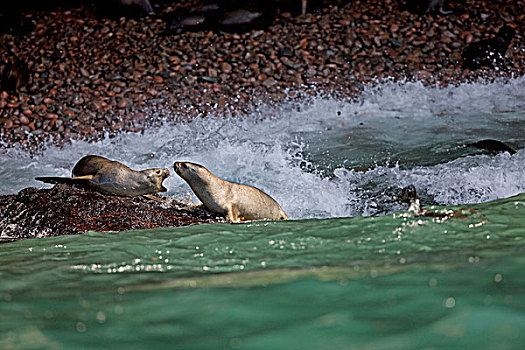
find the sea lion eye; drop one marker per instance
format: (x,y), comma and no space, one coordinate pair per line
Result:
(184,166)
(158,172)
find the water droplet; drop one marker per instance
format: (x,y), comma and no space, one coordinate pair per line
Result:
(101,317)
(81,327)
(450,302)
(498,278)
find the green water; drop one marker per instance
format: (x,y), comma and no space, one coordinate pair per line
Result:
(387,282)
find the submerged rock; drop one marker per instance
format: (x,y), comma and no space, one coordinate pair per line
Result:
(64,210)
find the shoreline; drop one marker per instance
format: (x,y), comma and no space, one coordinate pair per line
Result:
(93,76)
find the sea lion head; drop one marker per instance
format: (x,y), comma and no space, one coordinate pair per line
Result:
(407,195)
(156,176)
(188,170)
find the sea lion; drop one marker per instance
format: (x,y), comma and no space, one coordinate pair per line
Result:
(488,52)
(492,147)
(409,195)
(112,177)
(238,202)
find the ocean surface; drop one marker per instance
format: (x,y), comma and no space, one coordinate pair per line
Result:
(351,270)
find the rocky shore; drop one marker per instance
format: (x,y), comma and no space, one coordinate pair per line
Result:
(90,76)
(82,75)
(61,210)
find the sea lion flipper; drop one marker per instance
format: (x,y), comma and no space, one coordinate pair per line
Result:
(52,179)
(60,180)
(84,177)
(233,214)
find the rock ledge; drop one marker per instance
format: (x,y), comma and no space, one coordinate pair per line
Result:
(62,210)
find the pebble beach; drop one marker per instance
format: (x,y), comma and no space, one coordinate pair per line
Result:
(93,77)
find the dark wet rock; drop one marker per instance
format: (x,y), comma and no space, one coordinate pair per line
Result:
(145,5)
(488,52)
(15,24)
(62,210)
(426,6)
(237,16)
(192,21)
(116,9)
(14,74)
(226,16)
(492,146)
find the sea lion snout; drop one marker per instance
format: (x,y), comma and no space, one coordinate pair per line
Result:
(177,166)
(165,173)
(182,168)
(161,175)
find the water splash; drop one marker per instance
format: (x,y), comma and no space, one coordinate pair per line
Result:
(330,158)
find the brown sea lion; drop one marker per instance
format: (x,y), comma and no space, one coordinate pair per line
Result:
(112,177)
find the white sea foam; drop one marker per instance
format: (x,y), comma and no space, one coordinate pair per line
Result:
(304,159)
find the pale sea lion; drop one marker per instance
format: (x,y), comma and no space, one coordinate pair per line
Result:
(237,202)
(112,177)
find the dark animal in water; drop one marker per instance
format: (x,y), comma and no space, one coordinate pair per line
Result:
(488,52)
(492,146)
(409,196)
